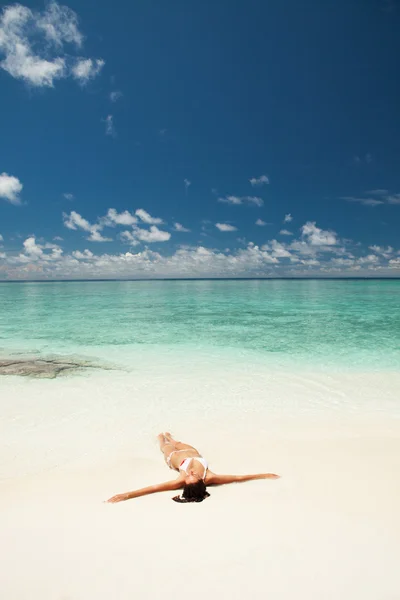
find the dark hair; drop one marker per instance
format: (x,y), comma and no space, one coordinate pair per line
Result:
(194,492)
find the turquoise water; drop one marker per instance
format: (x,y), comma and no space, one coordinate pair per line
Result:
(313,322)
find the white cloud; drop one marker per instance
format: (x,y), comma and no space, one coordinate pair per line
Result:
(181,228)
(288,218)
(1,238)
(86,69)
(371,258)
(59,24)
(129,238)
(115,95)
(225,227)
(95,235)
(124,218)
(365,201)
(34,251)
(110,129)
(151,235)
(258,181)
(300,257)
(278,250)
(68,196)
(242,200)
(374,198)
(146,218)
(261,223)
(31,248)
(378,192)
(85,255)
(32,44)
(285,232)
(10,188)
(75,221)
(187,183)
(385,252)
(316,236)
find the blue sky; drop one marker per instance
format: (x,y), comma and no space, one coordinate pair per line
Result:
(208,117)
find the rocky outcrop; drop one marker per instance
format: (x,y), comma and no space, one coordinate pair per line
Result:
(43,368)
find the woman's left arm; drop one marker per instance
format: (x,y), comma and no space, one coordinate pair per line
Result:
(222,479)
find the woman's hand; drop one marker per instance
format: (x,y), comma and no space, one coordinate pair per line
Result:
(118,498)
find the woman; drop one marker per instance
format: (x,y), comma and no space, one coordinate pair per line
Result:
(194,474)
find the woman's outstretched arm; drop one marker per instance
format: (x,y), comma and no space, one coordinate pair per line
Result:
(214,479)
(176,484)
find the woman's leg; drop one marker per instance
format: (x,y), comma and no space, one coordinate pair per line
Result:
(165,445)
(177,445)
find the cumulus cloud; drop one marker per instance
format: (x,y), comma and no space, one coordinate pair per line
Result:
(85,255)
(385,252)
(242,200)
(181,228)
(225,227)
(285,232)
(129,238)
(278,250)
(75,221)
(318,237)
(151,235)
(299,258)
(146,218)
(259,181)
(32,45)
(114,218)
(86,69)
(260,222)
(68,196)
(288,218)
(31,248)
(10,188)
(34,251)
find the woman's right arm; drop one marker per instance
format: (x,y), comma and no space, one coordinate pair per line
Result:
(176,484)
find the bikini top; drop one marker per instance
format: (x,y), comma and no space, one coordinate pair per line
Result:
(185,464)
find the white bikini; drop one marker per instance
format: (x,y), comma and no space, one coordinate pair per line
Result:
(186,462)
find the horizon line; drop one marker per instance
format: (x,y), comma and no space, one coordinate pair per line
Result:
(342,278)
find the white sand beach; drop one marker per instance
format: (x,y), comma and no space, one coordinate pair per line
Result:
(329,528)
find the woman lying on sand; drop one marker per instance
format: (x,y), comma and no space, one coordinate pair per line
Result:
(194,474)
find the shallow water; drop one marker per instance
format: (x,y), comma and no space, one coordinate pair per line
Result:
(312,323)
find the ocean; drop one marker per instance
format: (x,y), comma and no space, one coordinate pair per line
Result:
(348,324)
